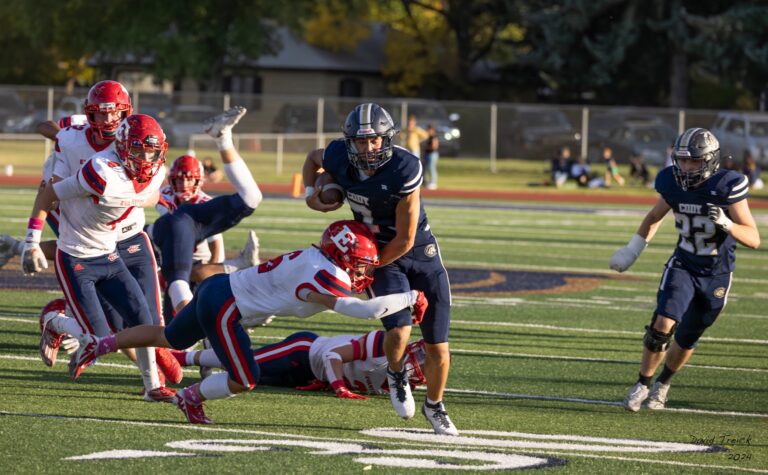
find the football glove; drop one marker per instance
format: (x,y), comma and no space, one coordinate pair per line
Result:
(345,393)
(623,258)
(32,258)
(717,215)
(316,385)
(70,344)
(419,307)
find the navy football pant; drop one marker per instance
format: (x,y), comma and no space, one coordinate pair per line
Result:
(286,363)
(213,313)
(421,268)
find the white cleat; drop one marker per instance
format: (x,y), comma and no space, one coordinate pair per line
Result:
(438,417)
(7,246)
(658,397)
(218,124)
(637,394)
(400,394)
(250,253)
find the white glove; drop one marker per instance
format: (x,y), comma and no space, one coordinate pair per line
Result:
(718,217)
(32,258)
(627,255)
(70,344)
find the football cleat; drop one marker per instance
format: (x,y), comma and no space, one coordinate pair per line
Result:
(189,403)
(50,341)
(438,417)
(219,124)
(168,365)
(249,256)
(7,246)
(161,394)
(84,356)
(657,399)
(637,394)
(400,394)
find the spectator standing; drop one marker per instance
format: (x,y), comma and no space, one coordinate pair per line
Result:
(212,174)
(752,170)
(431,156)
(414,135)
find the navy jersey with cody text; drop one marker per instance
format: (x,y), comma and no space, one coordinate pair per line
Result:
(373,201)
(702,247)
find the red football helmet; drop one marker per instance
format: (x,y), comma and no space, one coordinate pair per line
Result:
(352,246)
(186,177)
(137,135)
(415,357)
(107,96)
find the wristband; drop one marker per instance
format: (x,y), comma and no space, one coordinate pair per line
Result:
(338,384)
(308,191)
(36,224)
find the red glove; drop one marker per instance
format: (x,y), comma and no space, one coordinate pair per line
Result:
(420,307)
(345,393)
(316,385)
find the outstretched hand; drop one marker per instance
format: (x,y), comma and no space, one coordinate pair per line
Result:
(419,307)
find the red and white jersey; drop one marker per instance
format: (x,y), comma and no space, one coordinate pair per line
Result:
(168,202)
(73,148)
(367,374)
(74,119)
(90,224)
(272,287)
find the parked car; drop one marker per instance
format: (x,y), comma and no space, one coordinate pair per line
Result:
(302,118)
(434,113)
(12,110)
(185,120)
(535,132)
(648,138)
(739,132)
(27,123)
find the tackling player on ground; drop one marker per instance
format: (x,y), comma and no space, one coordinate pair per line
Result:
(711,215)
(300,283)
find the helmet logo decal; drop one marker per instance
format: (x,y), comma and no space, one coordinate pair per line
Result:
(343,239)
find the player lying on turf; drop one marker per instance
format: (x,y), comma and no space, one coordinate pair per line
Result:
(343,363)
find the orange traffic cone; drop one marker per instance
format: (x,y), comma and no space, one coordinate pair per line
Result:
(297,187)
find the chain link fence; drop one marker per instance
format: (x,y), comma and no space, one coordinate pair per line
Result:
(282,126)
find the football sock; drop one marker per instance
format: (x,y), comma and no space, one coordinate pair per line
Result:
(216,387)
(645,380)
(433,403)
(666,375)
(224,141)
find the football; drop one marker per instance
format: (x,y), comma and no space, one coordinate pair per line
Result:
(332,192)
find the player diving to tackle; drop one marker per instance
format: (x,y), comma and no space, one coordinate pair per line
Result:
(300,283)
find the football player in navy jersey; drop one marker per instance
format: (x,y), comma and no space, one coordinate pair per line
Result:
(381,182)
(711,216)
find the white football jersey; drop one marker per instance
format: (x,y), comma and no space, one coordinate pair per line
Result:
(272,287)
(73,148)
(367,374)
(203,249)
(90,224)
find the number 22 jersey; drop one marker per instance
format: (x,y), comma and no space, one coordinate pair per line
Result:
(702,247)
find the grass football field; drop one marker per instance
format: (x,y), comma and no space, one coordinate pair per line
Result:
(545,343)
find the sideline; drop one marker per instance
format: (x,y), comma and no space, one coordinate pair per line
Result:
(557,196)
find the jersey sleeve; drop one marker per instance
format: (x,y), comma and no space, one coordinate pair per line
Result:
(736,187)
(333,284)
(60,163)
(411,174)
(166,203)
(370,346)
(92,176)
(335,159)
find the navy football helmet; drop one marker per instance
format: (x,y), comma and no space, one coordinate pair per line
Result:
(366,121)
(695,144)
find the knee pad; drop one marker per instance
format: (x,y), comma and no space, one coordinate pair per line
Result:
(656,340)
